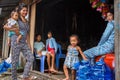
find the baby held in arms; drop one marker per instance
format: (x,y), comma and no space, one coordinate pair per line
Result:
(13,24)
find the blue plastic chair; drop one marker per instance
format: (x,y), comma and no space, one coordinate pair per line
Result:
(42,61)
(59,55)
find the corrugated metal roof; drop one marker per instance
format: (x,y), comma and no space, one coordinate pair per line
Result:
(8,3)
(7,6)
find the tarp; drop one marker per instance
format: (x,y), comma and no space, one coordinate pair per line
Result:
(100,71)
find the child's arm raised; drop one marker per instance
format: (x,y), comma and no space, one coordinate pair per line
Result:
(82,54)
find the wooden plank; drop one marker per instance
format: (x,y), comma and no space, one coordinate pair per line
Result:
(3,45)
(32,24)
(117,38)
(40,76)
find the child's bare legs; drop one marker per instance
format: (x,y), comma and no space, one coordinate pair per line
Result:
(66,72)
(48,60)
(18,38)
(73,74)
(53,62)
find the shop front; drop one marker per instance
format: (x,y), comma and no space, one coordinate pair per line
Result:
(66,17)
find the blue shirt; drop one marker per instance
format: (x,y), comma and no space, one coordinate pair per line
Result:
(52,44)
(39,46)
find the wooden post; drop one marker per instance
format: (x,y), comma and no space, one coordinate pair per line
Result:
(32,24)
(5,47)
(117,38)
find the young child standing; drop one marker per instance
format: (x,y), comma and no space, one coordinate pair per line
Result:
(12,23)
(40,48)
(72,57)
(51,47)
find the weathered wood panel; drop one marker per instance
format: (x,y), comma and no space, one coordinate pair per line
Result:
(117,38)
(5,47)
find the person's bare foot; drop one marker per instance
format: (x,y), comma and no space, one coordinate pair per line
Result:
(53,71)
(66,79)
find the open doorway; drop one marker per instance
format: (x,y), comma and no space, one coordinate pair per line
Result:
(66,17)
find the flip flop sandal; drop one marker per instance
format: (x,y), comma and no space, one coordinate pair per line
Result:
(47,71)
(33,77)
(54,72)
(30,78)
(66,79)
(59,73)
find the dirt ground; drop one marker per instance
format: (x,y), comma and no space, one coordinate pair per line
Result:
(40,76)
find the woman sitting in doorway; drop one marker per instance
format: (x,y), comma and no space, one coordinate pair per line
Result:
(106,44)
(40,48)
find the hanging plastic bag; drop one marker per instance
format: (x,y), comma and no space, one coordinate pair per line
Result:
(103,1)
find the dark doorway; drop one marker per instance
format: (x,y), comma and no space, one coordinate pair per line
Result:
(66,17)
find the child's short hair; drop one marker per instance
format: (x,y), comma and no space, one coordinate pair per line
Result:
(50,32)
(111,11)
(74,35)
(13,12)
(37,36)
